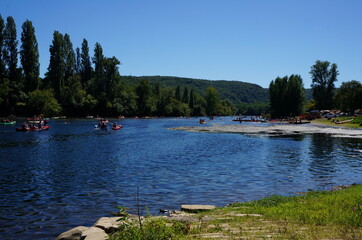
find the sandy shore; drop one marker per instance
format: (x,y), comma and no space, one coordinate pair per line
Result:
(277,129)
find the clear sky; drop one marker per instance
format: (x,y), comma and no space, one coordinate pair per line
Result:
(246,40)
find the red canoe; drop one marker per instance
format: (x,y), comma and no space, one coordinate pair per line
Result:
(27,129)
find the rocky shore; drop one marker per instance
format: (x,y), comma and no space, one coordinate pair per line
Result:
(106,225)
(277,129)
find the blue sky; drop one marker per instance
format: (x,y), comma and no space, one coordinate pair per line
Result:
(246,40)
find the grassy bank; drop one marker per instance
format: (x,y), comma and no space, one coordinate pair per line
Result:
(356,123)
(313,215)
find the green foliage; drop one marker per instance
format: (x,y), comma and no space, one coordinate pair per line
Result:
(10,48)
(286,96)
(185,96)
(4,91)
(178,93)
(179,108)
(143,91)
(226,108)
(156,228)
(85,64)
(235,91)
(253,108)
(310,105)
(349,96)
(56,68)
(69,60)
(12,72)
(2,53)
(212,101)
(324,75)
(43,102)
(358,121)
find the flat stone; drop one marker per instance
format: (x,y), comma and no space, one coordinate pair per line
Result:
(108,224)
(196,208)
(94,233)
(72,234)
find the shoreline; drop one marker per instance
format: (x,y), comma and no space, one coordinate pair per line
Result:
(195,215)
(277,129)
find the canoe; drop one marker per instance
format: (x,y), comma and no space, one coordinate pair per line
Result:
(8,123)
(345,121)
(27,129)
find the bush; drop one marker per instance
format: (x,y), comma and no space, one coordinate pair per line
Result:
(155,228)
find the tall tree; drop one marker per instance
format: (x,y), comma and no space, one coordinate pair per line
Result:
(69,57)
(192,99)
(212,101)
(324,75)
(185,96)
(295,98)
(111,75)
(277,96)
(4,81)
(143,91)
(11,49)
(29,55)
(16,84)
(98,61)
(286,96)
(86,66)
(2,53)
(178,93)
(56,69)
(78,61)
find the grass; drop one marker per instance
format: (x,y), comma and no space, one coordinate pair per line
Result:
(314,215)
(338,208)
(356,123)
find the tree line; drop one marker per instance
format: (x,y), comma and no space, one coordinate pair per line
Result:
(287,94)
(77,84)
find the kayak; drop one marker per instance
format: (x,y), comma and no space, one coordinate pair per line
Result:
(118,127)
(27,129)
(8,123)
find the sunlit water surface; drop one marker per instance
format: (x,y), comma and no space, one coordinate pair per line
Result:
(71,175)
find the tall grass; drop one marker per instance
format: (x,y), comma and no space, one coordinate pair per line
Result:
(358,121)
(343,208)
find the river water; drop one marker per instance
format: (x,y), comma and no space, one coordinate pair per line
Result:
(73,174)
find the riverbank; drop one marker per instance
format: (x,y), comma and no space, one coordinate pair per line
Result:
(278,129)
(335,214)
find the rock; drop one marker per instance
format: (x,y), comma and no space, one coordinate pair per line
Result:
(94,233)
(72,234)
(341,187)
(196,208)
(108,224)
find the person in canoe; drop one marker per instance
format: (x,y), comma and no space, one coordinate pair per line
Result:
(116,126)
(24,126)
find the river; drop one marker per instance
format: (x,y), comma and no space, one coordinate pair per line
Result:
(73,174)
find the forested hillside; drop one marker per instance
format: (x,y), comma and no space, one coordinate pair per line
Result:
(235,91)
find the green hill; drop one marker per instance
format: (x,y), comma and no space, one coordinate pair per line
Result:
(235,91)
